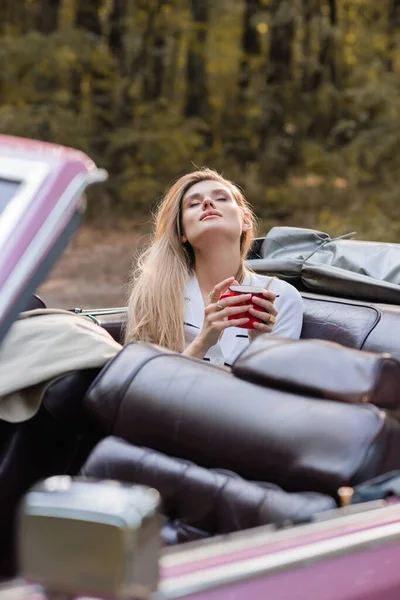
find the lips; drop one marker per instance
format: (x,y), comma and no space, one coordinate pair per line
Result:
(210,213)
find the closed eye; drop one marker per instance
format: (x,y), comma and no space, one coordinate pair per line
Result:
(221,198)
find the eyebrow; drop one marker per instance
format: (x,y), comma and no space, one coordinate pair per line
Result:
(198,196)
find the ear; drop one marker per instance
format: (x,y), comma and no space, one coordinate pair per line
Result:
(246,223)
(184,239)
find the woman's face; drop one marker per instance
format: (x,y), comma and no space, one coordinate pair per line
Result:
(210,212)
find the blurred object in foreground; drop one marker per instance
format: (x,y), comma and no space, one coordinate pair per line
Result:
(80,537)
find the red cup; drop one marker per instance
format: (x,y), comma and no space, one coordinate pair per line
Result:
(238,290)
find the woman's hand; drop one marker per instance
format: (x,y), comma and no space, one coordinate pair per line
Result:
(216,318)
(268,316)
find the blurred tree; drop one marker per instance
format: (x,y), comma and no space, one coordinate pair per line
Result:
(392,31)
(117,30)
(98,75)
(251,44)
(309,63)
(88,15)
(197,100)
(275,142)
(157,55)
(48,13)
(297,100)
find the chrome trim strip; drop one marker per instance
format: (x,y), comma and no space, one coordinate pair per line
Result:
(259,536)
(41,243)
(278,561)
(97,312)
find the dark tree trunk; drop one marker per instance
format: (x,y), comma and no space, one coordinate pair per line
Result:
(48,16)
(156,67)
(327,47)
(88,19)
(3,16)
(333,12)
(136,66)
(279,70)
(197,103)
(325,68)
(88,16)
(392,30)
(251,45)
(117,28)
(13,17)
(307,83)
(171,75)
(154,83)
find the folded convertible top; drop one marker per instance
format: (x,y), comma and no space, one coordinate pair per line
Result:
(312,260)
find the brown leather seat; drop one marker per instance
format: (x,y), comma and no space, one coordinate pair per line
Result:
(187,408)
(198,502)
(336,373)
(359,325)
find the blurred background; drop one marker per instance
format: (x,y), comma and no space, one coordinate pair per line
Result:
(297,101)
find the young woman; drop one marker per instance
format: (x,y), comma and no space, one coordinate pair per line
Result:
(203,232)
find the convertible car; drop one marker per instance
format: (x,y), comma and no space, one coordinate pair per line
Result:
(280,478)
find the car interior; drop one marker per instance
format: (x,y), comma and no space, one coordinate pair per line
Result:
(226,450)
(295,431)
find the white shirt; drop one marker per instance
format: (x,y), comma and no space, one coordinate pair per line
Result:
(288,324)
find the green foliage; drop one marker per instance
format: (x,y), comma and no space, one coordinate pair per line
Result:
(151,153)
(303,111)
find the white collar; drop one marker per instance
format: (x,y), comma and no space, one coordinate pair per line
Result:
(194,305)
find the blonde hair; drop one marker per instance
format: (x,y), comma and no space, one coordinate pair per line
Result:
(156,303)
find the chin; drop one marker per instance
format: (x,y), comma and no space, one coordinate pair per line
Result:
(218,232)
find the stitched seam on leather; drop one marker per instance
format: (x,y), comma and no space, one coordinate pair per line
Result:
(180,485)
(367,306)
(380,369)
(265,500)
(362,467)
(219,498)
(378,374)
(133,374)
(368,445)
(378,318)
(102,372)
(141,365)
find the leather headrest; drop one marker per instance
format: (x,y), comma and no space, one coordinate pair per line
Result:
(323,369)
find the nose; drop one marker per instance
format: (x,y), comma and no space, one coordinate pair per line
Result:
(208,203)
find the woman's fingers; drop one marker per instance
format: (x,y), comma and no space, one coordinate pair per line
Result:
(263,315)
(263,327)
(220,288)
(227,302)
(266,305)
(232,323)
(228,312)
(269,295)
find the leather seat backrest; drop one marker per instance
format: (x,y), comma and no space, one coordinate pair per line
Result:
(341,321)
(358,325)
(199,502)
(187,408)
